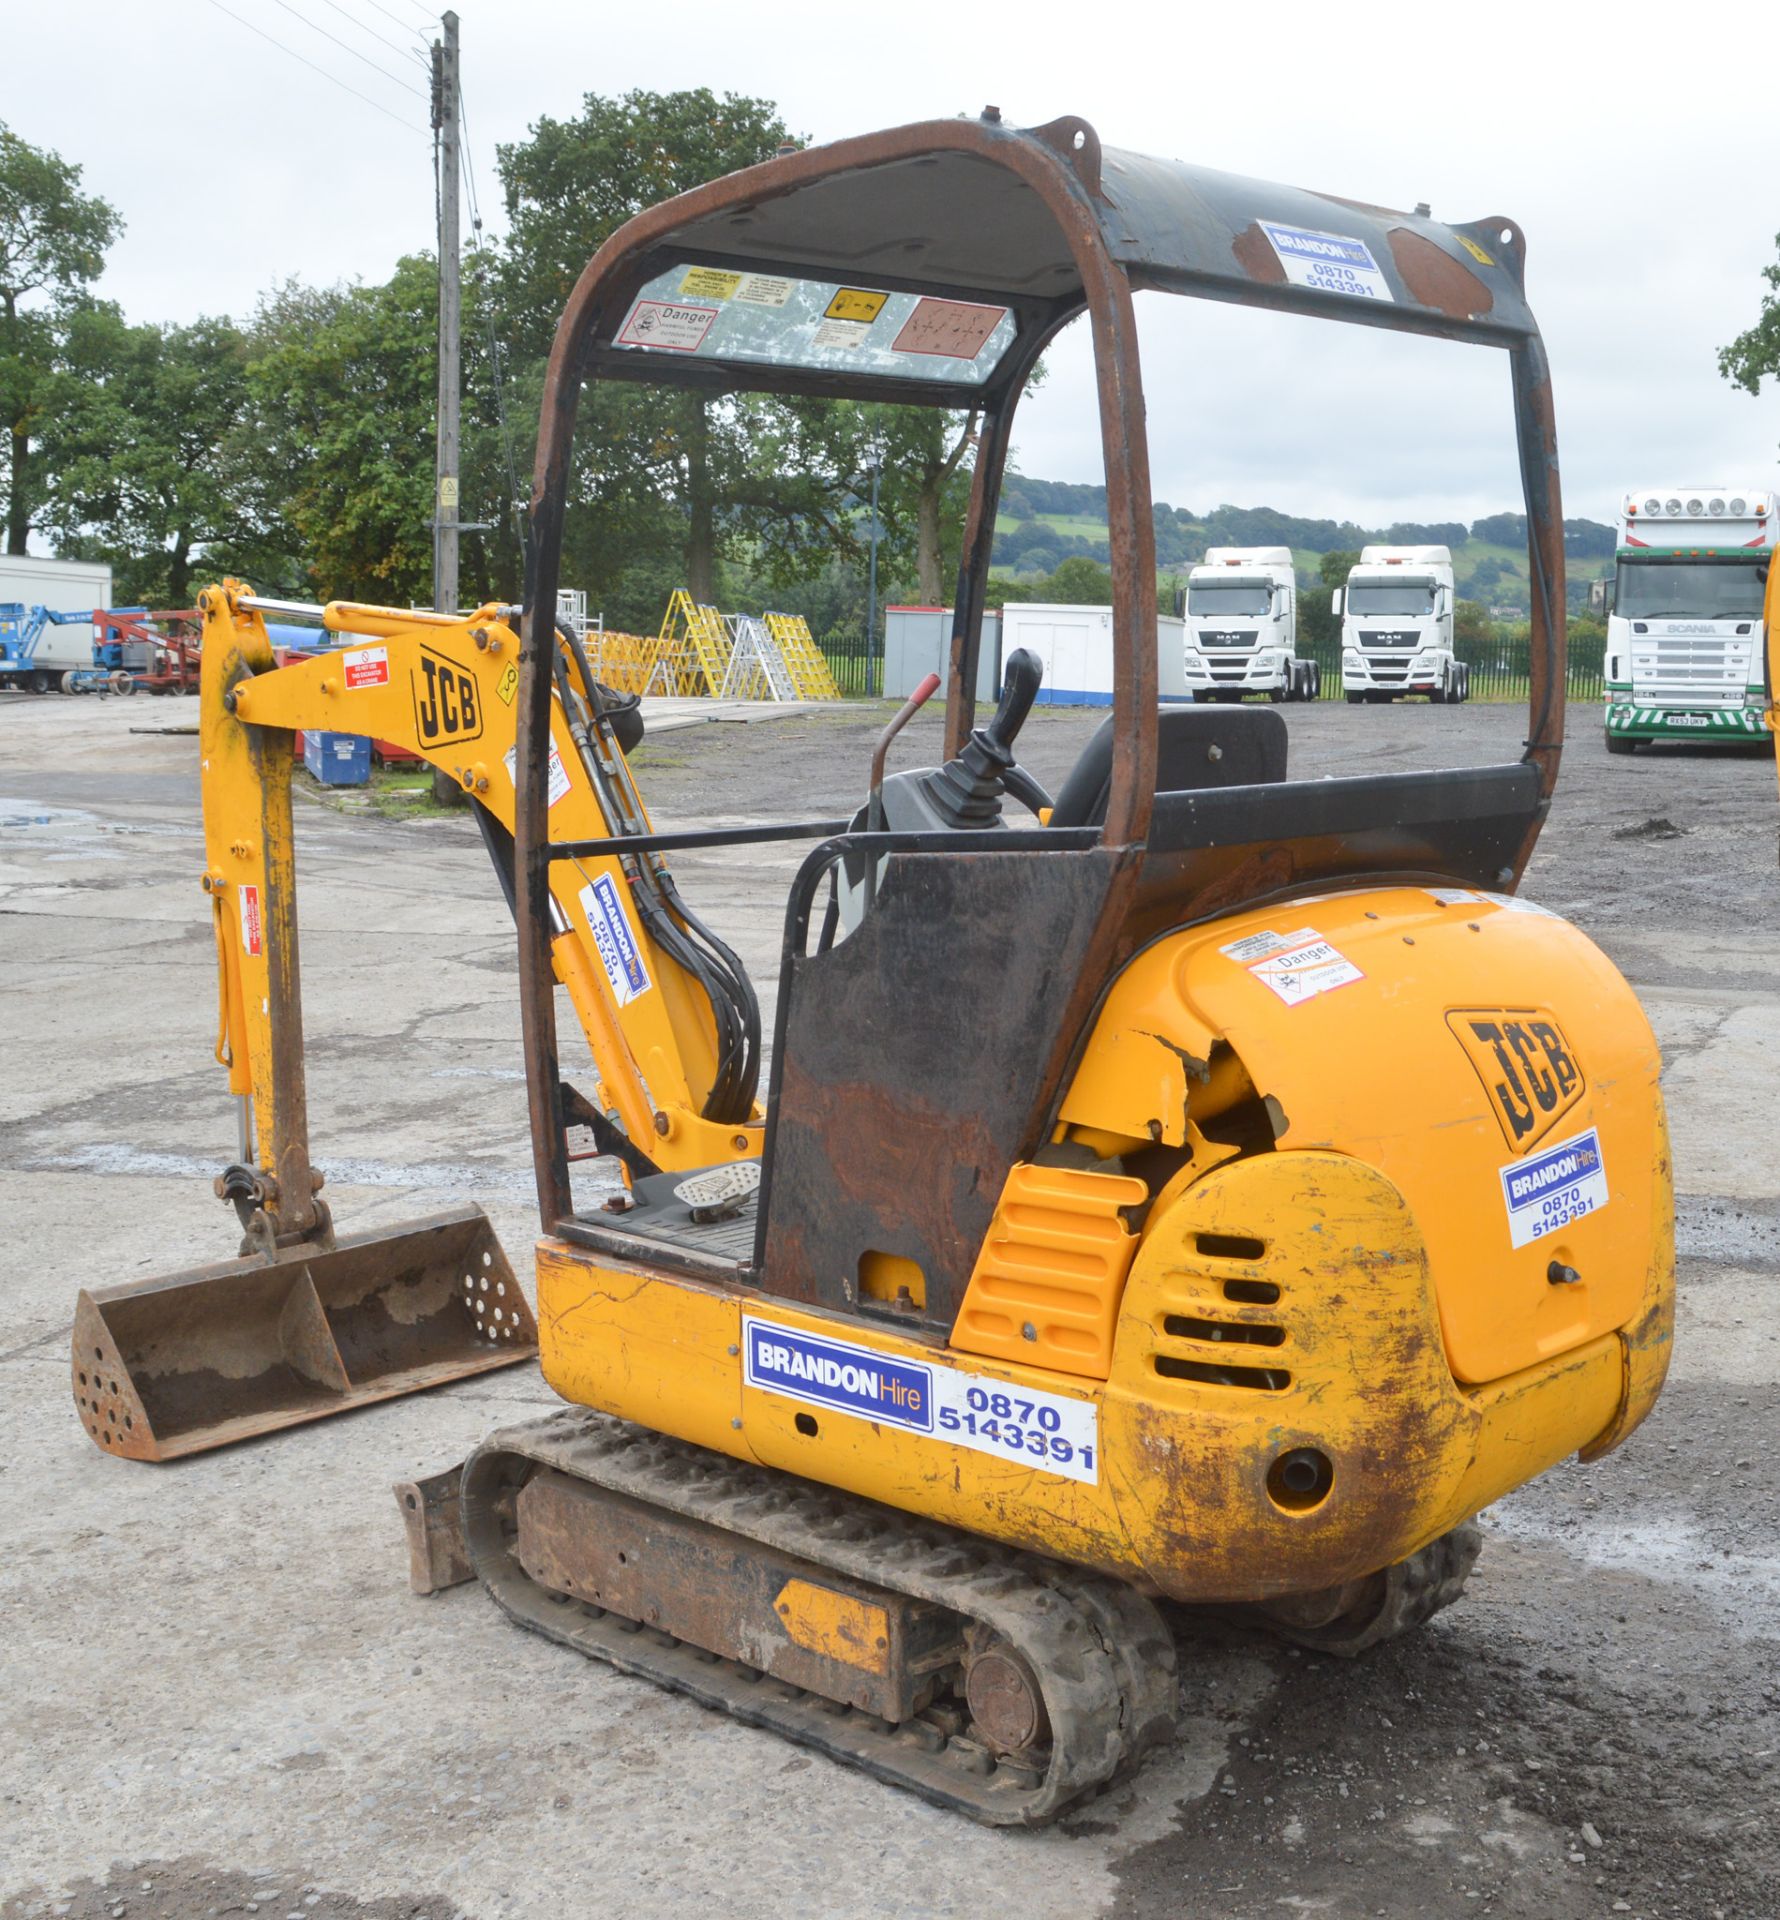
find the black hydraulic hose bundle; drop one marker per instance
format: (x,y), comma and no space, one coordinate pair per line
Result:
(674,927)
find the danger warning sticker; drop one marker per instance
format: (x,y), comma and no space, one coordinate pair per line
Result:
(250,921)
(366,667)
(559,774)
(1295,966)
(667,326)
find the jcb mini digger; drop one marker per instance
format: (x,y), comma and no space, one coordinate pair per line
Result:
(1213,1188)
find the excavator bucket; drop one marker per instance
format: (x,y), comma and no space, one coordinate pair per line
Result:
(201,1359)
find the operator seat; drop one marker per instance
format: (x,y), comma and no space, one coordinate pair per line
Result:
(1195,747)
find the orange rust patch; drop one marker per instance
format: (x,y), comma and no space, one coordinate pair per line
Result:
(1255,256)
(1436,279)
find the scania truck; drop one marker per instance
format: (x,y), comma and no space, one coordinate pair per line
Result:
(1684,635)
(1396,627)
(1242,627)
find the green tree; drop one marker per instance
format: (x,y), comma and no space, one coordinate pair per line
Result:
(53,239)
(927,458)
(1078,581)
(1333,568)
(1474,637)
(334,457)
(731,478)
(138,439)
(1754,355)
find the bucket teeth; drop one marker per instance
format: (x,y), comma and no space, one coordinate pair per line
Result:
(194,1360)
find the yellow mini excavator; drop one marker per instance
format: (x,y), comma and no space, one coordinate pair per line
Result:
(1212,1188)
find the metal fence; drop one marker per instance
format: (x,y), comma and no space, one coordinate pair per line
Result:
(1499,668)
(857,666)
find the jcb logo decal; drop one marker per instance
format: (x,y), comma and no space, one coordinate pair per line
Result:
(1526,1065)
(446,702)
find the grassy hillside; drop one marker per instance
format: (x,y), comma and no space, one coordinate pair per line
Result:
(1508,588)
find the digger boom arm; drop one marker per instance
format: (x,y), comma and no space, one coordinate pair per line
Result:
(442,686)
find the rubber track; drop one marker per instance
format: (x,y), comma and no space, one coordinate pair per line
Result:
(1103,1656)
(1408,1595)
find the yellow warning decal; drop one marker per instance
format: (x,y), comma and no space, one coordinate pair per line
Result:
(1527,1067)
(508,684)
(1475,251)
(710,283)
(854,303)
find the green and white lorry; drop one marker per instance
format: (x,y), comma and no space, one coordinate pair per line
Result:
(1684,636)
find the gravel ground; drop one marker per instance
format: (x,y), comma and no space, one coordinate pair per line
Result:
(216,1695)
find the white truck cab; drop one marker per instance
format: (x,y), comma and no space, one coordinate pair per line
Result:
(1684,633)
(1242,627)
(1396,626)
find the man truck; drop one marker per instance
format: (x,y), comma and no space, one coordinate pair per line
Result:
(1396,627)
(1242,622)
(1684,633)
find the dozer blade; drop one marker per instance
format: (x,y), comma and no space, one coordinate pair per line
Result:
(201,1359)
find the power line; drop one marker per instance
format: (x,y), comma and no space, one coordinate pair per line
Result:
(346,14)
(463,120)
(313,68)
(395,18)
(515,499)
(375,66)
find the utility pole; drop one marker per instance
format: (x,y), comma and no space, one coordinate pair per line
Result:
(446,121)
(876,457)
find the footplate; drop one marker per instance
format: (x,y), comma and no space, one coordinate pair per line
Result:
(989,1681)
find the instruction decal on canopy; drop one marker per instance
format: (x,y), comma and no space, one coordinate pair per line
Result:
(855,303)
(948,329)
(1329,262)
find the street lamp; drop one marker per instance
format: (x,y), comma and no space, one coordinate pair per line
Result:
(874,462)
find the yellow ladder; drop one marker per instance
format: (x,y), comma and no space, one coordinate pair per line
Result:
(625,662)
(803,659)
(694,648)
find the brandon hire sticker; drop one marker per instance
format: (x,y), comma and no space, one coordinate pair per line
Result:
(1329,262)
(1550,1189)
(1295,966)
(1045,1431)
(613,939)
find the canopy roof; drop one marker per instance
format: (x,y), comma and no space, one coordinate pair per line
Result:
(1010,225)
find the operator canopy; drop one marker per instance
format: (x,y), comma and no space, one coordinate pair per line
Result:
(916,267)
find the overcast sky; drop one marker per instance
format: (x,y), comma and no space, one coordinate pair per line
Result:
(1619,138)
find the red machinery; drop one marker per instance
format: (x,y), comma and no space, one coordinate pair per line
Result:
(159,651)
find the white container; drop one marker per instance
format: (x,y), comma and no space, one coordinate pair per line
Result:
(1076,645)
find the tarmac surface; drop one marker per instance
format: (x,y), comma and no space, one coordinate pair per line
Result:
(217,1695)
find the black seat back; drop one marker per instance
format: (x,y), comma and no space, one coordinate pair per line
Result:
(1195,747)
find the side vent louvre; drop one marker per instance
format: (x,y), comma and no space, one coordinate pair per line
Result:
(1230,1246)
(1220,1334)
